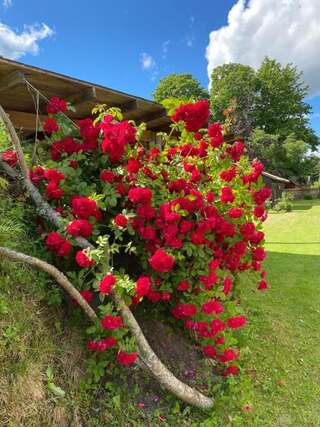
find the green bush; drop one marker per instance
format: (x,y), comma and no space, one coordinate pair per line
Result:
(285,203)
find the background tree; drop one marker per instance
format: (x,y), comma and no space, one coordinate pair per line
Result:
(271,98)
(182,86)
(234,87)
(288,157)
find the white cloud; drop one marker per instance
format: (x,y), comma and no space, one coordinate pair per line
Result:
(7,3)
(147,62)
(287,30)
(165,48)
(14,45)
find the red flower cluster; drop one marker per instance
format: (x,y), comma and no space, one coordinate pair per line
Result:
(10,157)
(161,261)
(58,244)
(193,209)
(50,126)
(111,322)
(79,227)
(84,208)
(195,115)
(115,137)
(106,284)
(83,260)
(56,105)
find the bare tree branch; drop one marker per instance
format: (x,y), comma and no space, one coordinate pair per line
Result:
(55,273)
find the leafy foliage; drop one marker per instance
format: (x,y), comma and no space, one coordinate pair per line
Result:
(271,98)
(181,86)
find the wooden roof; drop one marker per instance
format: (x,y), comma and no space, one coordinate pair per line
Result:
(275,177)
(18,98)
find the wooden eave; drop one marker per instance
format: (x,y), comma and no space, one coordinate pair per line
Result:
(19,101)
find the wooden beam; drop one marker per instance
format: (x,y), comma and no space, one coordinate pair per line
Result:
(87,95)
(147,118)
(24,121)
(11,80)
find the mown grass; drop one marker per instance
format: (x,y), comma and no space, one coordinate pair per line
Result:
(280,380)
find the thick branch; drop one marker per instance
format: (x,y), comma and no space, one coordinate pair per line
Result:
(55,273)
(156,367)
(15,141)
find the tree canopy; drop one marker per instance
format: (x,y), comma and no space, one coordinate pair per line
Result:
(271,98)
(182,86)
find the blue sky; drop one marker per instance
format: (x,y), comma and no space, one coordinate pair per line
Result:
(130,45)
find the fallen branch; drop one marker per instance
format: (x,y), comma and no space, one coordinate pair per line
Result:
(146,354)
(55,273)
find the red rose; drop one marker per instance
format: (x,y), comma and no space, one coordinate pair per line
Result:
(227,285)
(217,326)
(111,322)
(228,355)
(212,306)
(183,286)
(53,175)
(79,227)
(161,261)
(166,296)
(184,310)
(56,105)
(236,322)
(195,115)
(53,191)
(83,260)
(37,174)
(209,351)
(121,220)
(58,244)
(87,295)
(126,358)
(102,345)
(73,164)
(227,195)
(231,370)
(235,213)
(50,126)
(10,157)
(263,285)
(133,165)
(106,284)
(262,195)
(143,286)
(140,195)
(83,207)
(107,176)
(228,174)
(258,254)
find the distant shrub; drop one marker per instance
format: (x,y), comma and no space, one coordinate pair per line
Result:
(285,203)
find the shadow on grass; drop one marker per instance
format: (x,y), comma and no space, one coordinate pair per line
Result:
(303,205)
(293,243)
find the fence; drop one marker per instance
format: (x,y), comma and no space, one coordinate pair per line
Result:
(304,192)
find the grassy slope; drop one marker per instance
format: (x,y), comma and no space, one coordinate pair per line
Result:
(282,358)
(285,338)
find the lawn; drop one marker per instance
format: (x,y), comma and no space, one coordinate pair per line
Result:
(285,333)
(280,380)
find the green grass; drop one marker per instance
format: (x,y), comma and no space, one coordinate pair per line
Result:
(280,378)
(285,332)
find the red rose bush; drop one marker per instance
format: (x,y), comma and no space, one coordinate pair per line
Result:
(188,211)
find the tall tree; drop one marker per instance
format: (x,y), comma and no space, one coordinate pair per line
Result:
(182,86)
(271,98)
(233,87)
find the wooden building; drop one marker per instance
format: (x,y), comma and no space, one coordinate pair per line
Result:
(24,89)
(277,184)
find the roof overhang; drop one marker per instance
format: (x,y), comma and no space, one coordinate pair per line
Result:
(19,99)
